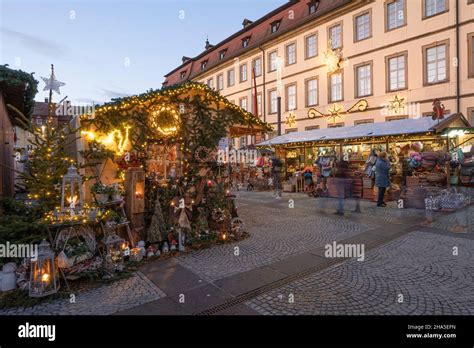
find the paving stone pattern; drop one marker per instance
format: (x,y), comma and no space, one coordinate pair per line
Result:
(420,266)
(107,299)
(276,232)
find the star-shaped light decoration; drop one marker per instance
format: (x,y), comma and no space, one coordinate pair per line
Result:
(52,83)
(397,104)
(290,120)
(332,58)
(334,112)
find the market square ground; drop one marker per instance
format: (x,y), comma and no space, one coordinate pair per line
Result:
(410,267)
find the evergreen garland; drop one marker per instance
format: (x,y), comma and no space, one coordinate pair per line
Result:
(10,77)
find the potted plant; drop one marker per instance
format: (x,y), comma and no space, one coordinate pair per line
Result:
(117,192)
(100,193)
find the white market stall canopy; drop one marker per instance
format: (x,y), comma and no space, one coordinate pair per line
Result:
(412,126)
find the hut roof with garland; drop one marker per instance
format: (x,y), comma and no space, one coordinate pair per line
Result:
(186,99)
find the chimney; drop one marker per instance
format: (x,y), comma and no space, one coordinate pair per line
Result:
(246,22)
(46,100)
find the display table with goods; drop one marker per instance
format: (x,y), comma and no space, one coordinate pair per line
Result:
(417,150)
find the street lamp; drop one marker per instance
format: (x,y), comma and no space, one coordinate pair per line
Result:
(279,90)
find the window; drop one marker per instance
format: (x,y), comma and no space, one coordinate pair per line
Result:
(245,41)
(273,101)
(369,120)
(275,25)
(203,64)
(470,54)
(311,128)
(395,118)
(290,97)
(363,82)
(183,75)
(336,125)
(311,92)
(311,46)
(220,82)
(257,66)
(243,103)
(362,26)
(313,6)
(470,115)
(230,77)
(210,83)
(397,71)
(434,7)
(222,54)
(430,113)
(335,36)
(395,14)
(272,59)
(259,104)
(243,141)
(243,72)
(335,87)
(435,63)
(291,130)
(291,54)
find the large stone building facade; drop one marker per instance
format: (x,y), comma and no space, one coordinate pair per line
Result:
(390,58)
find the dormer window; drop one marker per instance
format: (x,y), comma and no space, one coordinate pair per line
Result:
(203,64)
(222,54)
(275,25)
(245,41)
(183,74)
(313,6)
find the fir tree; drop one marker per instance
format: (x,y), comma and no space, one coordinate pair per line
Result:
(47,163)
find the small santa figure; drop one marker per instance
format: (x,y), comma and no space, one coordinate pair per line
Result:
(438,110)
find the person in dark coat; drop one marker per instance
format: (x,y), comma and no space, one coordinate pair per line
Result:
(382,176)
(276,172)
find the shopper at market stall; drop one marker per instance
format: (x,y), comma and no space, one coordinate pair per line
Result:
(382,176)
(276,169)
(343,185)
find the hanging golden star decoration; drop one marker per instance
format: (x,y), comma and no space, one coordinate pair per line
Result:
(335,112)
(290,120)
(332,58)
(397,104)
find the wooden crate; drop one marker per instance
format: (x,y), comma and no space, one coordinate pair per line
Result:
(368,183)
(367,193)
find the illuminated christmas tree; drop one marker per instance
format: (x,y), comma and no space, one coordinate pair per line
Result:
(46,164)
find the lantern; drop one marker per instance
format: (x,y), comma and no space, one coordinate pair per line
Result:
(71,191)
(44,275)
(114,252)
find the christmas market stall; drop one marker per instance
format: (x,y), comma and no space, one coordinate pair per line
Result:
(160,150)
(426,154)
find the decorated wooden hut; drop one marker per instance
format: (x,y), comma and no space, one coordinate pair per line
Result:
(160,148)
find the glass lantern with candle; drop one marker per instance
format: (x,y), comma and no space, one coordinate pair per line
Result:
(44,273)
(114,252)
(71,191)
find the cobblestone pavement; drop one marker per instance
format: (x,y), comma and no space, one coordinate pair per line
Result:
(420,265)
(276,232)
(418,269)
(107,299)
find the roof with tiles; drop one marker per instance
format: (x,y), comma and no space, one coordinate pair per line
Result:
(291,15)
